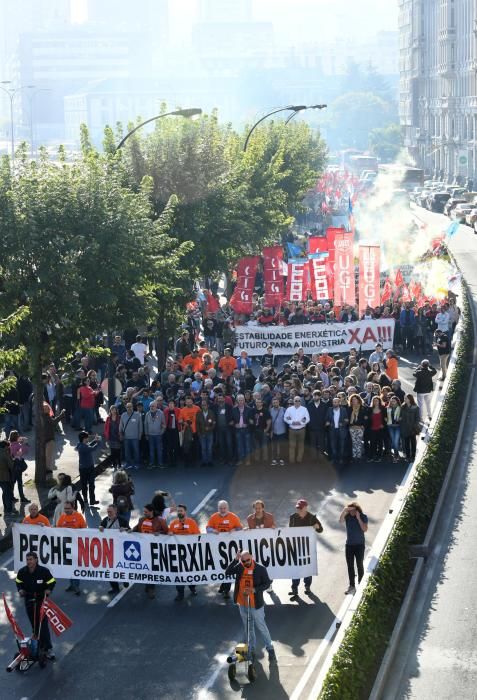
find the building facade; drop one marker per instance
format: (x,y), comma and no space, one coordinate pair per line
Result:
(438,86)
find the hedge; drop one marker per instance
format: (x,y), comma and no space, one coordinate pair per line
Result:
(356,663)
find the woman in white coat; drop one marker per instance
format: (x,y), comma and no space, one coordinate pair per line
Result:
(63,492)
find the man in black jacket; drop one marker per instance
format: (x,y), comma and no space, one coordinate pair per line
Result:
(317,410)
(113,521)
(34,583)
(251,580)
(424,387)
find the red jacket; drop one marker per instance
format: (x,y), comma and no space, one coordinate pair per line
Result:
(107,427)
(167,413)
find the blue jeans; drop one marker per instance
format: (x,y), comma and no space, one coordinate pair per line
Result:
(131,452)
(243,443)
(257,620)
(87,415)
(337,442)
(395,436)
(155,449)
(206,445)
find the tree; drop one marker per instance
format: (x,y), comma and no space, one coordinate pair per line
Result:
(83,253)
(355,114)
(10,356)
(386,143)
(229,203)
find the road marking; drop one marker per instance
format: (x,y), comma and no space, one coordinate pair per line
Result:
(118,596)
(203,693)
(114,601)
(204,501)
(405,381)
(6,563)
(408,362)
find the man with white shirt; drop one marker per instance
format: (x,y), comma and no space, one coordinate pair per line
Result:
(297,418)
(442,320)
(139,349)
(377,355)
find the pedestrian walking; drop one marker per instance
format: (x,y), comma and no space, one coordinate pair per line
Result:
(303,518)
(34,584)
(87,474)
(18,450)
(154,428)
(183,525)
(278,433)
(337,422)
(356,525)
(6,479)
(424,386)
(251,581)
(62,492)
(410,426)
(205,423)
(111,435)
(358,419)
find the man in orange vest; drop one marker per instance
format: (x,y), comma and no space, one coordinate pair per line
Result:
(224,521)
(251,580)
(151,524)
(183,525)
(72,519)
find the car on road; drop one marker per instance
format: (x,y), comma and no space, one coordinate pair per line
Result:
(421,198)
(452,203)
(436,201)
(414,193)
(460,211)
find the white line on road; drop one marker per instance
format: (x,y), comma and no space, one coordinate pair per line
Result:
(203,693)
(6,563)
(123,592)
(404,359)
(204,501)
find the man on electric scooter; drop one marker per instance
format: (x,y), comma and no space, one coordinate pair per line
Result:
(34,583)
(251,580)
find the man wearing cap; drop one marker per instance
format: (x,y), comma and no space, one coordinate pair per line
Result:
(251,580)
(302,518)
(297,418)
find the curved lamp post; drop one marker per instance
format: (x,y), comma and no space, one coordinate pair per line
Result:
(191,112)
(293,108)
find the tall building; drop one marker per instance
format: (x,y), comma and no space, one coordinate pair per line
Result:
(148,16)
(225,10)
(438,86)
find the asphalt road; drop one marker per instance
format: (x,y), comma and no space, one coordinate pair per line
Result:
(437,656)
(140,648)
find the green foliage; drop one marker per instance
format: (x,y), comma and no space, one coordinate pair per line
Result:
(385,143)
(355,114)
(357,660)
(228,203)
(10,356)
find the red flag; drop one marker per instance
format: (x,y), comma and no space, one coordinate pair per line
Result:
(273,275)
(405,293)
(344,287)
(387,291)
(369,263)
(59,621)
(15,626)
(212,302)
(297,280)
(317,244)
(319,279)
(241,301)
(399,278)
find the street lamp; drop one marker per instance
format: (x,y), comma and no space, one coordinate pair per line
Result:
(191,112)
(295,109)
(11,92)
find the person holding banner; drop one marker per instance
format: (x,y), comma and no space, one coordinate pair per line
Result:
(34,584)
(183,525)
(71,518)
(303,518)
(224,521)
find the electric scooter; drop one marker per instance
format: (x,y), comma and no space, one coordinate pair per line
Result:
(243,654)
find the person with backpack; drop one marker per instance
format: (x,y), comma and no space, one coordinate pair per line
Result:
(87,474)
(122,491)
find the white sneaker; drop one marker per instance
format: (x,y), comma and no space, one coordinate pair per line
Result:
(274,463)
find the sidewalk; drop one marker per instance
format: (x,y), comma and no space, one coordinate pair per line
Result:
(66,460)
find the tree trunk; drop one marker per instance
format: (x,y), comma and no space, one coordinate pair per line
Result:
(161,342)
(39,425)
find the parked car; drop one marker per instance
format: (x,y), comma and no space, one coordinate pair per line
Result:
(422,197)
(437,200)
(460,212)
(414,193)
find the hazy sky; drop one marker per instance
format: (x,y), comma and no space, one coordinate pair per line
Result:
(297,21)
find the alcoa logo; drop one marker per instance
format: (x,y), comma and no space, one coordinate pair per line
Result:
(132,551)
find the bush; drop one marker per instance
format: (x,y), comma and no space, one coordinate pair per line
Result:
(357,660)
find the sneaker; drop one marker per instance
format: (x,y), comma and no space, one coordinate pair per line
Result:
(193,593)
(351,590)
(294,592)
(77,591)
(308,591)
(50,655)
(282,463)
(274,463)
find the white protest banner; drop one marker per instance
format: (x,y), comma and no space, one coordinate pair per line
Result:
(166,560)
(336,337)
